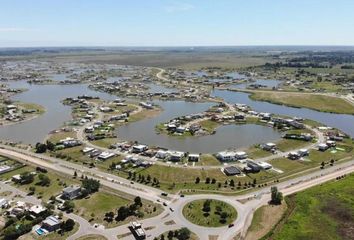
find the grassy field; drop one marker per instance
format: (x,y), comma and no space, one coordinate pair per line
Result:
(311,101)
(193,212)
(92,237)
(264,218)
(323,212)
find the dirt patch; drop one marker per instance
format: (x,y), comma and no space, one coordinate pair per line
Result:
(213,237)
(264,220)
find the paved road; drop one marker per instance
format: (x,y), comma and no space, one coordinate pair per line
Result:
(245,210)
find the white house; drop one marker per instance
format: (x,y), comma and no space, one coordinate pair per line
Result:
(226,156)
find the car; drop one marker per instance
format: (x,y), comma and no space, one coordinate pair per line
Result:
(165,204)
(131,182)
(164,194)
(171,209)
(158,200)
(231,225)
(182,195)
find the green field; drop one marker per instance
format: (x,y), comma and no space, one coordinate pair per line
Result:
(322,212)
(195,213)
(312,101)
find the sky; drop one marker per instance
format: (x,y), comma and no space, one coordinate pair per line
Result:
(32,23)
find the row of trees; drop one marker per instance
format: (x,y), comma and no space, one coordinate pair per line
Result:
(43,147)
(231,182)
(181,234)
(142,179)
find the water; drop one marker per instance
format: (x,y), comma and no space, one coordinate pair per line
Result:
(50,97)
(157,88)
(263,82)
(343,122)
(230,136)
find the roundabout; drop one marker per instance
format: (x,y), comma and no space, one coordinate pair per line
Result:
(209,213)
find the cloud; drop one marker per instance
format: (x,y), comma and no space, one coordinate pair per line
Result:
(178,7)
(16,29)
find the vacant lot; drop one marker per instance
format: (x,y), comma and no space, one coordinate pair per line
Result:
(312,101)
(323,212)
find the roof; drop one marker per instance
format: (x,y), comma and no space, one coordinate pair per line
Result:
(71,189)
(37,209)
(51,221)
(232,170)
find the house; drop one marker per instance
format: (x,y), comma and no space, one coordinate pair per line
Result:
(253,167)
(331,143)
(3,203)
(226,156)
(303,152)
(161,154)
(51,224)
(294,155)
(16,178)
(105,155)
(193,157)
(180,129)
(71,192)
(269,146)
(264,165)
(240,155)
(36,210)
(87,149)
(176,156)
(89,129)
(231,171)
(139,148)
(322,147)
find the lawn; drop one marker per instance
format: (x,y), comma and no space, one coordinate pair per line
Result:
(312,101)
(195,213)
(322,212)
(208,160)
(57,183)
(95,207)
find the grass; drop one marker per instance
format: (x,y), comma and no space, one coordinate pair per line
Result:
(98,204)
(92,237)
(94,208)
(264,218)
(56,137)
(322,212)
(194,213)
(312,101)
(31,106)
(208,160)
(57,183)
(209,125)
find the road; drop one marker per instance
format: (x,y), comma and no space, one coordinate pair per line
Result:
(245,204)
(245,209)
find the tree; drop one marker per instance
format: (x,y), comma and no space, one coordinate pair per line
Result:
(184,234)
(254,182)
(90,185)
(67,225)
(170,235)
(148,179)
(206,206)
(213,181)
(75,174)
(43,180)
(332,162)
(26,178)
(276,196)
(41,148)
(32,189)
(322,164)
(69,206)
(207,180)
(232,183)
(123,213)
(197,180)
(137,201)
(109,216)
(50,146)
